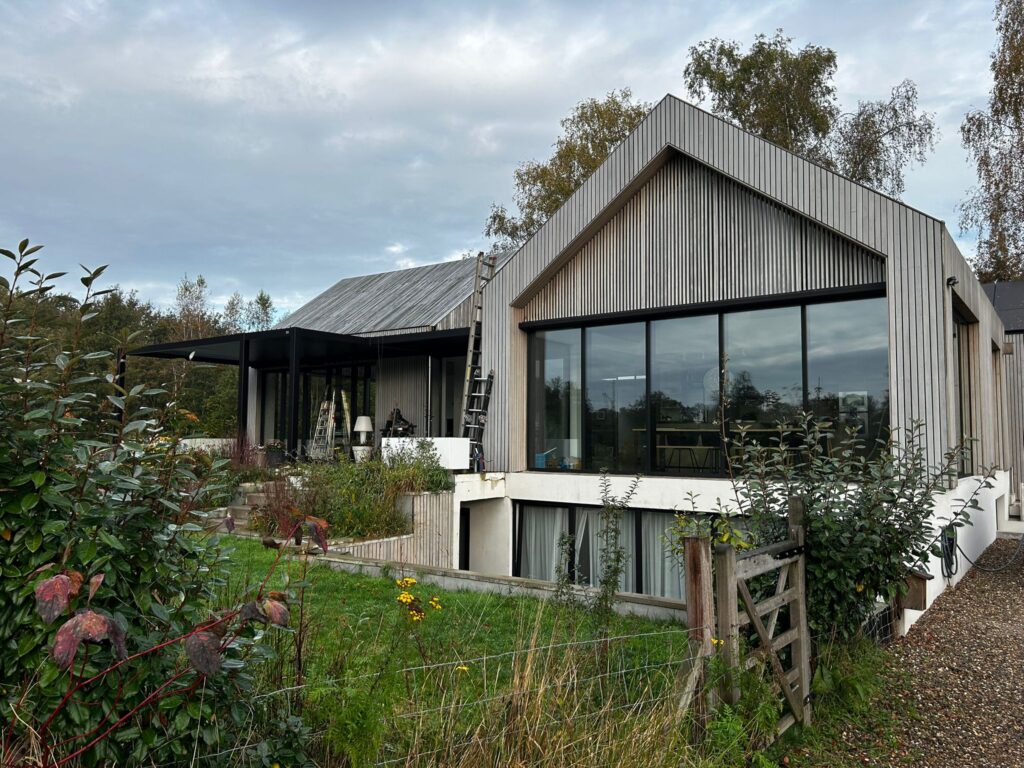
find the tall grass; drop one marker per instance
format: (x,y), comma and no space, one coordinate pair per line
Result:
(486,680)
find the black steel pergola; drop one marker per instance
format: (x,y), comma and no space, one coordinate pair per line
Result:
(291,349)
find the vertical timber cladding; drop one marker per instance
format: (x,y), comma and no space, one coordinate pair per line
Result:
(402,383)
(690,235)
(986,408)
(1013,381)
(911,243)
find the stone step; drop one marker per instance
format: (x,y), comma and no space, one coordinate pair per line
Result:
(255,499)
(250,488)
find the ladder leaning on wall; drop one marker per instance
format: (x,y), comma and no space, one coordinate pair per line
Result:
(477,387)
(322,445)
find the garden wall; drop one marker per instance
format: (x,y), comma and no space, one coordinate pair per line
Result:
(431,543)
(446,578)
(974,538)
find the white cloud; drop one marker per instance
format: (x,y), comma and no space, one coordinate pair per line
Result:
(288,146)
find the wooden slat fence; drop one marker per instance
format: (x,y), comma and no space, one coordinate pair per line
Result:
(431,541)
(778,621)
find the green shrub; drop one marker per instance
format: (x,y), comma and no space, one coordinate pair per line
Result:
(868,517)
(361,499)
(101,557)
(98,516)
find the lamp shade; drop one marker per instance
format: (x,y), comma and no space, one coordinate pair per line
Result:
(363,424)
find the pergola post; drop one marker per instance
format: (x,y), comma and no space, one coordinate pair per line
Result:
(292,403)
(243,391)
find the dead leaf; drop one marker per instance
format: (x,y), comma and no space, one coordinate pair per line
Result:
(318,527)
(279,596)
(276,612)
(94,584)
(271,543)
(53,595)
(251,612)
(87,625)
(203,651)
(76,581)
(6,534)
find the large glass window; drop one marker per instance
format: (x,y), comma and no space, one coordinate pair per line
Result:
(684,394)
(660,568)
(962,393)
(763,362)
(541,528)
(616,398)
(588,548)
(651,568)
(648,396)
(556,400)
(848,369)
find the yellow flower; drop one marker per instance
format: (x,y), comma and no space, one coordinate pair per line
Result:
(435,603)
(406,583)
(406,598)
(715,642)
(860,587)
(462,668)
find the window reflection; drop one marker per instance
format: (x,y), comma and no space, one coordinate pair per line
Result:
(616,398)
(848,370)
(684,394)
(588,393)
(764,367)
(555,399)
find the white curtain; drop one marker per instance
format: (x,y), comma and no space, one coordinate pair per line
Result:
(542,527)
(588,548)
(662,571)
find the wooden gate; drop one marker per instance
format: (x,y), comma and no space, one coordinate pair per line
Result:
(736,608)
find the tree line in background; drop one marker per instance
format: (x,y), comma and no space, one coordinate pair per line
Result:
(205,396)
(788,96)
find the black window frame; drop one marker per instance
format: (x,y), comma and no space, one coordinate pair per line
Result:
(721,309)
(636,557)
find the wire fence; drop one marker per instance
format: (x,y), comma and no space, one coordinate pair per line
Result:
(498,706)
(570,695)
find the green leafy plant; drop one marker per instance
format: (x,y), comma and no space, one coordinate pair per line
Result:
(869,516)
(111,655)
(612,553)
(361,499)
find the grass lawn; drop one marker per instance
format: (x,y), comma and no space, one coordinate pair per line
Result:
(367,666)
(355,619)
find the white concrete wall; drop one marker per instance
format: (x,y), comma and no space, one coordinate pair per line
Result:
(668,493)
(974,538)
(490,521)
(490,536)
(452,452)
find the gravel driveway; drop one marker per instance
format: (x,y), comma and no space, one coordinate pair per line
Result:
(964,661)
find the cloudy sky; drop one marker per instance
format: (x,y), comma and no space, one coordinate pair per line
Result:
(286,145)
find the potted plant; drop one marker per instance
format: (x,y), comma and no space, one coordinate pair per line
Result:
(275,454)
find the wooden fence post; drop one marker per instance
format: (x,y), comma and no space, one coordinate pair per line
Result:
(798,609)
(728,620)
(700,616)
(697,581)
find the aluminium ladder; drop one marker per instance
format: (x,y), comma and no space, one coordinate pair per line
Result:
(322,446)
(477,387)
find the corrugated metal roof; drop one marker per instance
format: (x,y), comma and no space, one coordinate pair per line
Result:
(406,299)
(1008,299)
